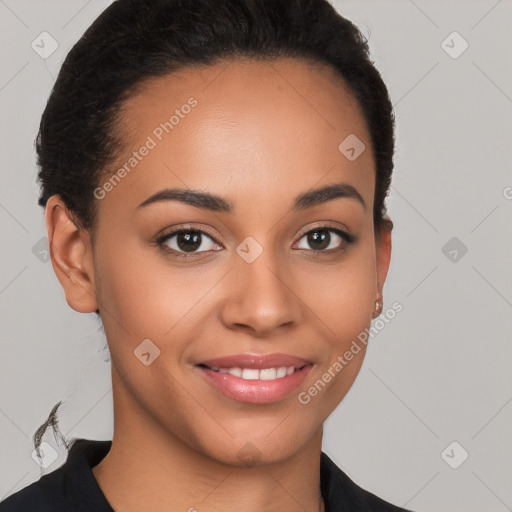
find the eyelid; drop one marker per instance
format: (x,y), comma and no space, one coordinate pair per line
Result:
(325,224)
(187,227)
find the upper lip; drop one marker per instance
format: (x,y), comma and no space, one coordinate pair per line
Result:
(259,362)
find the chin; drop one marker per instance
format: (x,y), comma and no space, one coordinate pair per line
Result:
(260,450)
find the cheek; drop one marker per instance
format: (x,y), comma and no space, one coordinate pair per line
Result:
(343,296)
(136,297)
(343,300)
(145,296)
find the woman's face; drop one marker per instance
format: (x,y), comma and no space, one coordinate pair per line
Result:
(264,277)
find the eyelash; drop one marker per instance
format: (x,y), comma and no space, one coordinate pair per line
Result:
(347,238)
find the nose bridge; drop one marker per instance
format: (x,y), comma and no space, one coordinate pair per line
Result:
(262,297)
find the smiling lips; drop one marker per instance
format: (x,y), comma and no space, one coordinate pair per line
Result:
(256,379)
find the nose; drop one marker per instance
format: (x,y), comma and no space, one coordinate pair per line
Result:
(261,297)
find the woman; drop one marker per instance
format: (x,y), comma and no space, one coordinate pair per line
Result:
(214,176)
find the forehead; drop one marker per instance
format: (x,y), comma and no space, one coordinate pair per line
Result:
(243,126)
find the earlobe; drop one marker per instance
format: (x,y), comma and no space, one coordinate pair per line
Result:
(71,256)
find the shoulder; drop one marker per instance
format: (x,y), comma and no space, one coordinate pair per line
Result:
(342,493)
(36,496)
(70,487)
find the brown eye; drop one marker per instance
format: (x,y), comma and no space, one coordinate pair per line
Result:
(187,241)
(325,239)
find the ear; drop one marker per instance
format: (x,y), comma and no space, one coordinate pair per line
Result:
(71,255)
(383,253)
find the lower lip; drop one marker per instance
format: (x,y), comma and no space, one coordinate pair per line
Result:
(256,391)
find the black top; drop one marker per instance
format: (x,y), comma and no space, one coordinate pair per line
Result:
(73,487)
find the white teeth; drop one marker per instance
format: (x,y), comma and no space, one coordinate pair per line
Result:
(250,374)
(268,374)
(255,374)
(237,372)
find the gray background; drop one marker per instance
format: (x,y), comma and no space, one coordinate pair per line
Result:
(437,373)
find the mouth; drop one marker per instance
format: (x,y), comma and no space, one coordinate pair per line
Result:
(256,379)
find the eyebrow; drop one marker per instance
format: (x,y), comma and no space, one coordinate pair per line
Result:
(212,202)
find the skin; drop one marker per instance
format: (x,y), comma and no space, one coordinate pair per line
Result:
(262,133)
